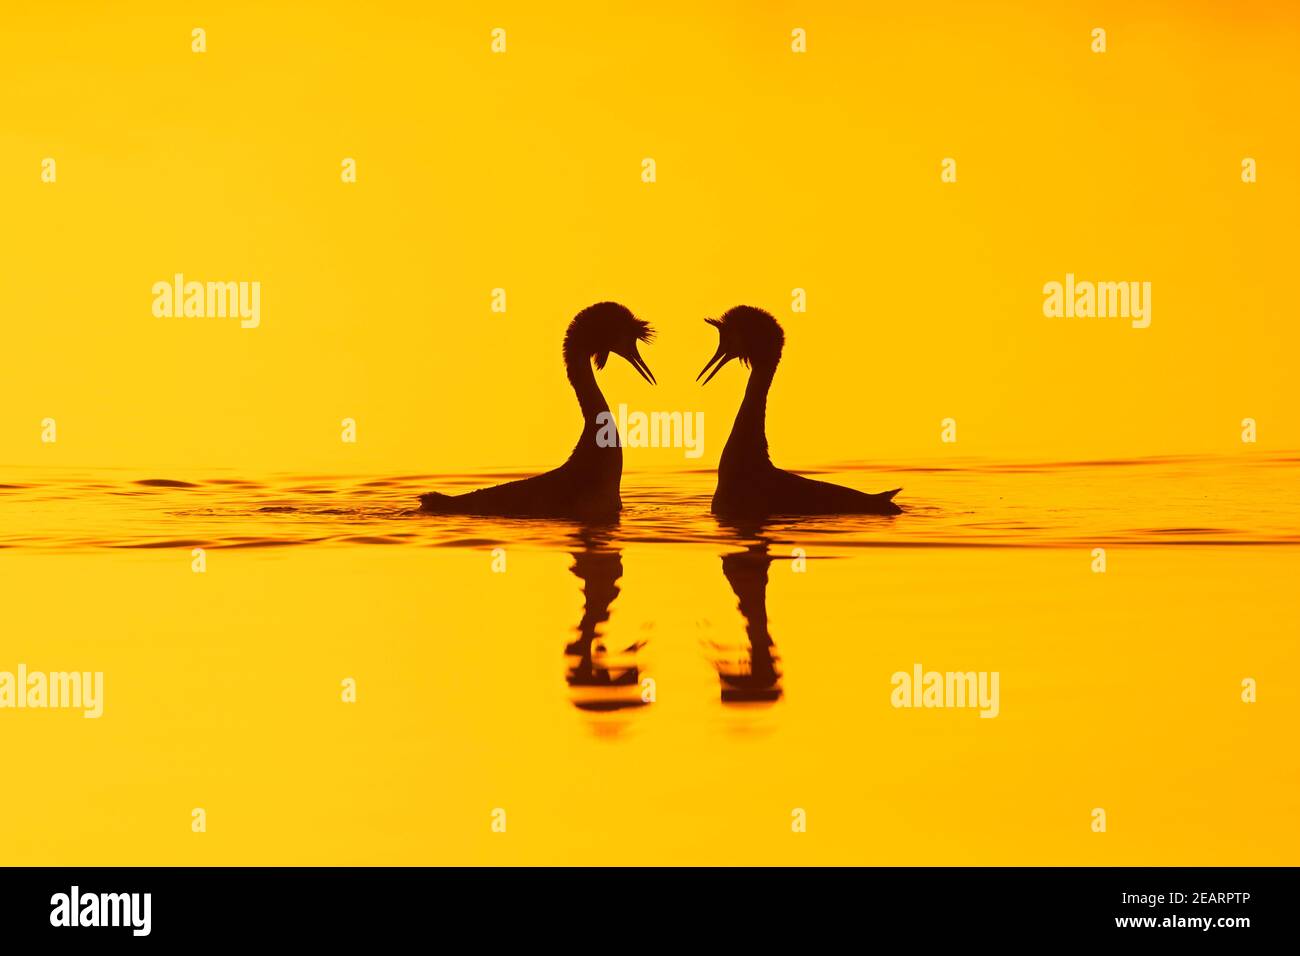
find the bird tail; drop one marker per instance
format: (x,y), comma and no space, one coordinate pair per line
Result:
(889,494)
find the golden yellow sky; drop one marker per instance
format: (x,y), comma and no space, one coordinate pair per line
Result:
(522,171)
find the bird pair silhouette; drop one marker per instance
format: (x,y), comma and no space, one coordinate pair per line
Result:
(586,487)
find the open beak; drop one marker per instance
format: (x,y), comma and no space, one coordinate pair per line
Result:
(721,357)
(638,363)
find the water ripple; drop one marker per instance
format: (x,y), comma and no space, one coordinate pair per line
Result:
(1156,501)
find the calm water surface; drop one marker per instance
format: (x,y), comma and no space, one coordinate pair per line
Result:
(669,689)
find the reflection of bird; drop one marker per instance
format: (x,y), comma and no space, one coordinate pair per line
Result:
(585,486)
(600,680)
(754,678)
(748,483)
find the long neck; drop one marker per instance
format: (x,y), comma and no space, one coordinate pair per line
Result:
(747,444)
(593,404)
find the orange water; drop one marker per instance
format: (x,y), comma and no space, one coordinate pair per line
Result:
(770,651)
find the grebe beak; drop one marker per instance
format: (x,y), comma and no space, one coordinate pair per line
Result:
(638,363)
(721,357)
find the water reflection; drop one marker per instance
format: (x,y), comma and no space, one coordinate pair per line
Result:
(600,679)
(604,678)
(750,674)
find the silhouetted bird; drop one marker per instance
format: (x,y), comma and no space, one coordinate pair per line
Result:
(586,486)
(749,484)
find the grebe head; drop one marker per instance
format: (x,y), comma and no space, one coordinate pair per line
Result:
(608,327)
(748,334)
